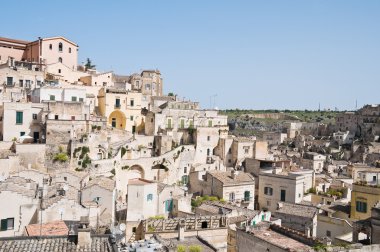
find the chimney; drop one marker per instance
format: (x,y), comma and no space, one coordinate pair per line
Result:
(234,173)
(181,230)
(84,234)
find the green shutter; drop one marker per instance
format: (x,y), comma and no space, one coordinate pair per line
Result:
(4,224)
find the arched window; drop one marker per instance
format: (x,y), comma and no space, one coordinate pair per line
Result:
(50,46)
(69,49)
(60,47)
(208,152)
(60,60)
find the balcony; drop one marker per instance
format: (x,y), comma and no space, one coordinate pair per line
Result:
(117,106)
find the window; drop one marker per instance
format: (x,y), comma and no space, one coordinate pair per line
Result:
(169,126)
(169,205)
(50,46)
(60,59)
(131,118)
(69,49)
(55,117)
(19,117)
(21,83)
(191,124)
(185,169)
(7,224)
(113,124)
(283,195)
(59,70)
(117,103)
(374,179)
(132,102)
(232,197)
(73,98)
(72,118)
(328,233)
(149,197)
(60,47)
(22,133)
(65,178)
(185,179)
(210,123)
(229,151)
(34,116)
(208,152)
(208,138)
(81,99)
(9,81)
(182,123)
(147,86)
(52,97)
(361,206)
(247,195)
(268,191)
(27,83)
(246,149)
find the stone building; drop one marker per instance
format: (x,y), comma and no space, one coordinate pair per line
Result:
(302,218)
(43,51)
(313,161)
(363,198)
(122,108)
(278,186)
(232,186)
(21,120)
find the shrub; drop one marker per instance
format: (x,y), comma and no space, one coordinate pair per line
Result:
(181,248)
(99,127)
(195,248)
(125,167)
(60,157)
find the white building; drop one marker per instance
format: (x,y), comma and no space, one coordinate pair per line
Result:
(21,119)
(277,186)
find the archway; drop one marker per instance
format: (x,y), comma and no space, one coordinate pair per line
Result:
(137,170)
(117,119)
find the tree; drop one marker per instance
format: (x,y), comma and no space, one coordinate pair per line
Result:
(171,94)
(89,64)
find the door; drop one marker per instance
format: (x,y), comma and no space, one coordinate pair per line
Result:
(36,136)
(133,129)
(113,123)
(283,195)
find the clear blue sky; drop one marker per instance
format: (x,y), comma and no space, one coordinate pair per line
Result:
(252,54)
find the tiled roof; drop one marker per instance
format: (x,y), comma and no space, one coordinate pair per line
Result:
(103,182)
(226,178)
(297,210)
(49,244)
(55,228)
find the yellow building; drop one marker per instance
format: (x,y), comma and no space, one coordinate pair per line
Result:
(122,109)
(363,198)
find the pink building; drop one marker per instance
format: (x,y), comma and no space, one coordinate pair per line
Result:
(44,51)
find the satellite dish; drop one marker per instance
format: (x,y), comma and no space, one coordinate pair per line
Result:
(122,227)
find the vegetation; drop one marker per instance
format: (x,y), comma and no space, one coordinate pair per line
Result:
(86,161)
(199,200)
(195,248)
(170,94)
(60,157)
(157,217)
(181,248)
(312,190)
(125,167)
(89,65)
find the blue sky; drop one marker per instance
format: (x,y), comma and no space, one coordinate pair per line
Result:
(252,54)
